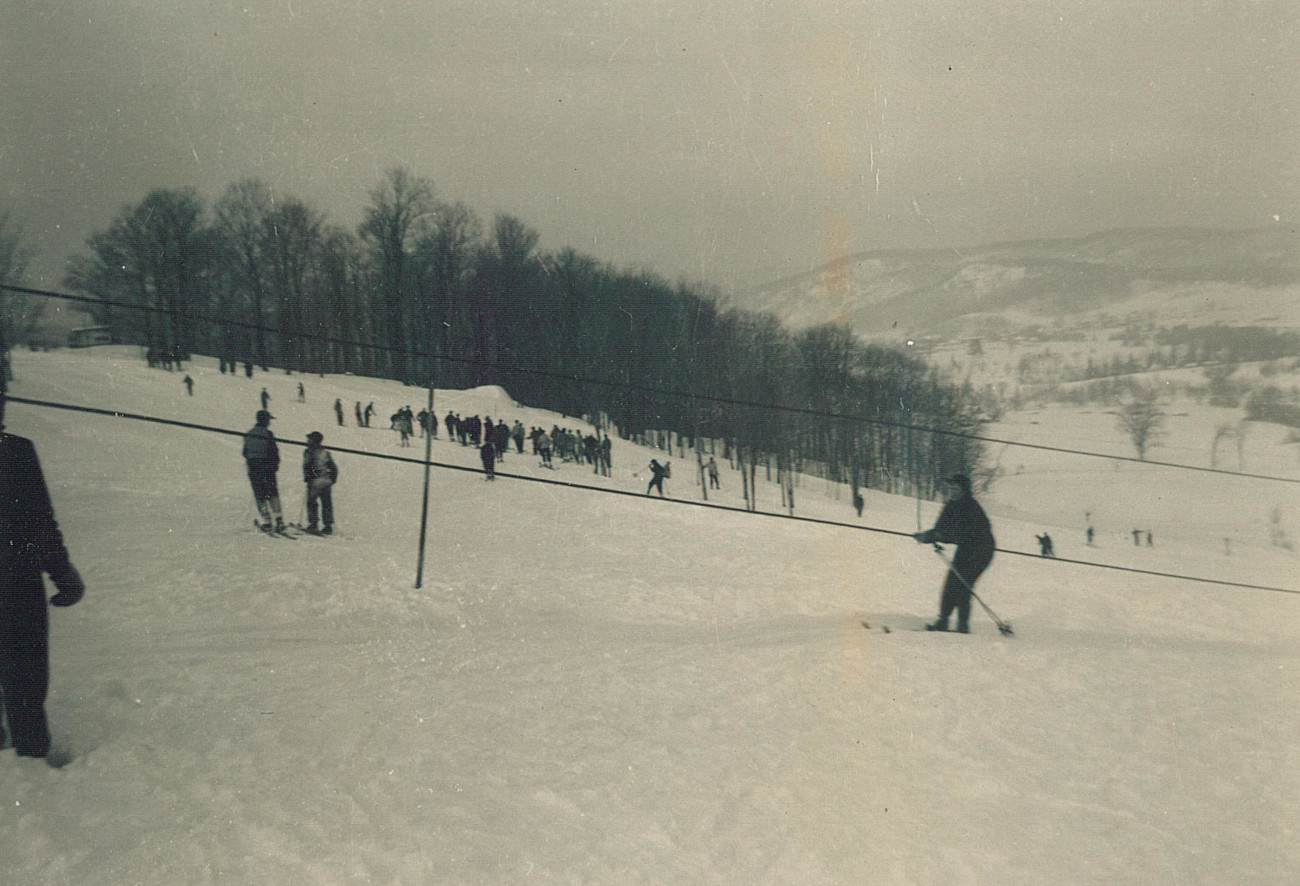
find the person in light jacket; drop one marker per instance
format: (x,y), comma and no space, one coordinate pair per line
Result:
(320,473)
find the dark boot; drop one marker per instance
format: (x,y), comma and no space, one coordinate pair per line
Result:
(939,624)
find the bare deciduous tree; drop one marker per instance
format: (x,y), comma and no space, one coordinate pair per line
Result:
(1142,419)
(241,220)
(398,215)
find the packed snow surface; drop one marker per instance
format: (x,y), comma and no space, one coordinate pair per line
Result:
(614,689)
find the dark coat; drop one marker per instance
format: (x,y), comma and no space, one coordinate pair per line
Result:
(30,540)
(30,543)
(259,447)
(962,522)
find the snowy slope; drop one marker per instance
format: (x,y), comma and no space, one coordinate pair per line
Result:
(613,689)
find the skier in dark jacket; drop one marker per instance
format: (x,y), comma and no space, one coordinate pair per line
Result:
(961,522)
(263,460)
(658,473)
(1045,547)
(501,438)
(488,453)
(30,543)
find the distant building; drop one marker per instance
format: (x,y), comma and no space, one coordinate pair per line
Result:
(87,336)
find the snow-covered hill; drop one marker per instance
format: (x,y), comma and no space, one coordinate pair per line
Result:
(1173,275)
(596,688)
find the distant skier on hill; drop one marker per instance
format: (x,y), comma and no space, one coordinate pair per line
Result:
(488,453)
(403,422)
(500,437)
(1045,548)
(338,411)
(961,522)
(189,385)
(658,474)
(263,459)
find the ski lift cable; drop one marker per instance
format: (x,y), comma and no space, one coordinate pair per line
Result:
(817,521)
(648,389)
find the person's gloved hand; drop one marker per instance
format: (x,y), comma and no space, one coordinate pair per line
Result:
(71,587)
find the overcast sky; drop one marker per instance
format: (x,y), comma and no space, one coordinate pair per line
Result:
(728,141)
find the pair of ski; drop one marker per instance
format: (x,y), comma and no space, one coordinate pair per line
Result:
(267,529)
(924,627)
(298,530)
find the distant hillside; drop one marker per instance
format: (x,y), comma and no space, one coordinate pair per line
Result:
(1171,275)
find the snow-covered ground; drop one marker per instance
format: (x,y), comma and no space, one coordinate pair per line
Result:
(611,689)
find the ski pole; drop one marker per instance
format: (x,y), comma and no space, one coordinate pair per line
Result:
(1004,627)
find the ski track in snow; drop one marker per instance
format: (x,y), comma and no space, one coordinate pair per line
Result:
(616,690)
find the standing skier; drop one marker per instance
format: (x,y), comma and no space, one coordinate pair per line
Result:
(32,544)
(189,386)
(488,453)
(961,522)
(263,460)
(320,474)
(338,411)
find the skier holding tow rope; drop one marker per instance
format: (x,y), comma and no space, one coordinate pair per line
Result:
(961,522)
